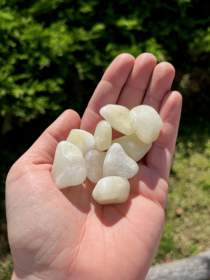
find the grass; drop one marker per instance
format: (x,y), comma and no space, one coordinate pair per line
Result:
(187,224)
(6,268)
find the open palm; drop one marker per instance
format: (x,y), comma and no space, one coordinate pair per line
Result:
(65,234)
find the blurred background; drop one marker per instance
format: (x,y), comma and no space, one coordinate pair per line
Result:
(54,52)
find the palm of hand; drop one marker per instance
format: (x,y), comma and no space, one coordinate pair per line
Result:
(67,235)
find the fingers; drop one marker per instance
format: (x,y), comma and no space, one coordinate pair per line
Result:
(108,90)
(134,90)
(43,150)
(159,157)
(159,85)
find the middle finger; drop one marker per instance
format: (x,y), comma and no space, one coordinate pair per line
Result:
(134,90)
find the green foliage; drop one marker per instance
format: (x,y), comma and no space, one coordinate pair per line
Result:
(6,268)
(167,244)
(48,48)
(186,230)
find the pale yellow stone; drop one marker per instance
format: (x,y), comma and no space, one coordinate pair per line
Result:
(146,123)
(103,136)
(94,163)
(118,163)
(82,139)
(118,117)
(111,190)
(69,168)
(133,147)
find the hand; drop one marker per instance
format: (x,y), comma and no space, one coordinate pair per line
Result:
(63,235)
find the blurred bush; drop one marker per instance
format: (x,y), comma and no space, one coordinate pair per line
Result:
(54,52)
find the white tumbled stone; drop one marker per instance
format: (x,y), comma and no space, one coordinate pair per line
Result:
(82,139)
(118,117)
(118,163)
(103,136)
(133,147)
(94,163)
(69,168)
(110,190)
(146,123)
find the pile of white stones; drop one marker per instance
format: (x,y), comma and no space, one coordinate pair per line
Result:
(82,154)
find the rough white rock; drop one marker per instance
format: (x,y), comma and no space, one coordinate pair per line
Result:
(146,123)
(103,136)
(94,163)
(111,190)
(118,163)
(133,147)
(118,117)
(82,139)
(69,167)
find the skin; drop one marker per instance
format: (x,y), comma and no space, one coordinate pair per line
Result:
(65,234)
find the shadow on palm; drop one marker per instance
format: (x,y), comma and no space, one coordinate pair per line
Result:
(81,197)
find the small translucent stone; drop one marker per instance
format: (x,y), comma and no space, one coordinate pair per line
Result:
(133,147)
(82,139)
(103,136)
(111,190)
(69,167)
(146,123)
(118,117)
(94,163)
(118,163)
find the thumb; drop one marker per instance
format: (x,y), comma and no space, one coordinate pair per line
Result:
(43,150)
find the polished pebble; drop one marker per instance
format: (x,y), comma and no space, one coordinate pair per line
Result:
(133,147)
(146,123)
(82,139)
(111,190)
(94,163)
(103,136)
(118,163)
(69,168)
(118,117)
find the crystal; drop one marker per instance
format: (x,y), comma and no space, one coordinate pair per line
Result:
(133,147)
(82,139)
(94,163)
(118,163)
(69,167)
(111,190)
(103,136)
(118,117)
(146,123)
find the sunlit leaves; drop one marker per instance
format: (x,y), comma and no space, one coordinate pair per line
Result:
(47,47)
